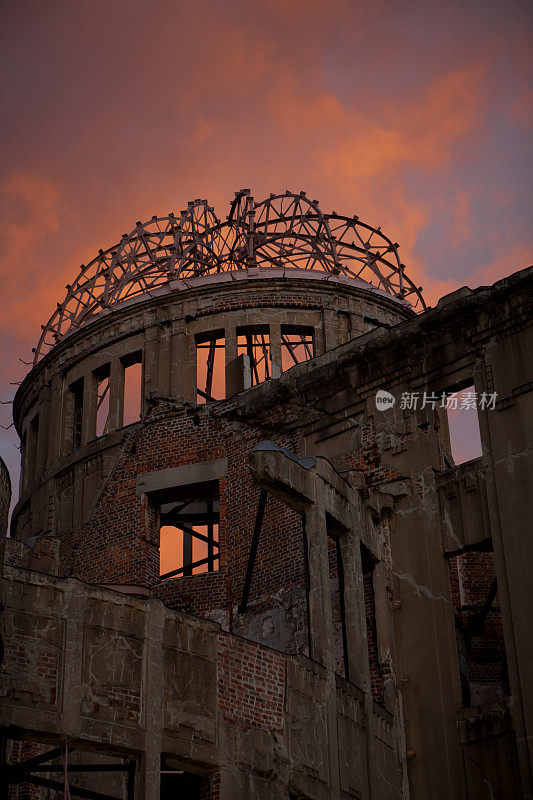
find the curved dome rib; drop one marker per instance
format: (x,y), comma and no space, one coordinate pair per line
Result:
(285,230)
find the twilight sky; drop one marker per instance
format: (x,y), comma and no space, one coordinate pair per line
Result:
(415,115)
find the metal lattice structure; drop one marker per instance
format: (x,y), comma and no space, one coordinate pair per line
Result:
(286,231)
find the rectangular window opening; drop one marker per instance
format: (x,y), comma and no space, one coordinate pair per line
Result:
(76,414)
(297,345)
(189,535)
(478,627)
(131,410)
(102,402)
(376,674)
(255,343)
(176,783)
(210,367)
(463,425)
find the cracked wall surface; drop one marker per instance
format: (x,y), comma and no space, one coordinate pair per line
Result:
(390,693)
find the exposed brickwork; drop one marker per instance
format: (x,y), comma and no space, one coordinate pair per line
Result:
(481,644)
(376,676)
(16,752)
(211,788)
(251,683)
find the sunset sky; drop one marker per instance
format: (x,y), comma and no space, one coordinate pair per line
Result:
(414,115)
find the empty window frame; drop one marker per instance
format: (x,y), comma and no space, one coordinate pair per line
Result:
(132,402)
(478,626)
(463,425)
(74,416)
(189,535)
(297,345)
(255,343)
(102,377)
(210,366)
(376,674)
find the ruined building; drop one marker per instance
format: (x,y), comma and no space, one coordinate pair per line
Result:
(233,572)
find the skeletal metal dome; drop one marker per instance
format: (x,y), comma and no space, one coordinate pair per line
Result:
(286,231)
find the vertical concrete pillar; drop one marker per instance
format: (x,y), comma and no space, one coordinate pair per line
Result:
(275,349)
(319,339)
(56,423)
(149,774)
(354,604)
(116,394)
(177,360)
(320,614)
(230,334)
(497,443)
(356,636)
(165,359)
(189,367)
(330,328)
(151,365)
(73,683)
(42,435)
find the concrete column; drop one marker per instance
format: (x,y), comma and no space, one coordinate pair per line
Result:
(189,368)
(73,684)
(165,360)
(177,360)
(90,404)
(320,614)
(149,774)
(231,344)
(116,395)
(56,423)
(509,535)
(354,604)
(320,341)
(151,364)
(321,626)
(331,337)
(41,458)
(275,349)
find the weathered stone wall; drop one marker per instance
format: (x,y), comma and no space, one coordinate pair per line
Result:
(127,677)
(420,541)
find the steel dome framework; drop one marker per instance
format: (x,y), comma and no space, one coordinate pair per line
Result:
(286,231)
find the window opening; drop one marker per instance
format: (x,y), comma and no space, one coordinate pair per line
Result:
(76,392)
(376,674)
(255,343)
(463,425)
(132,388)
(478,627)
(189,536)
(210,366)
(102,403)
(297,345)
(176,783)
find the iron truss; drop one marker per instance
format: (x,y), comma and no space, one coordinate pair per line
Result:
(283,231)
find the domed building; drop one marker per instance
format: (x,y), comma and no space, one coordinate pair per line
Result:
(244,562)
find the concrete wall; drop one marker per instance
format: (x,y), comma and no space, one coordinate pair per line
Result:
(416,536)
(126,677)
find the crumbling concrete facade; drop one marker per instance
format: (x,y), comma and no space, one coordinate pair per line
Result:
(345,617)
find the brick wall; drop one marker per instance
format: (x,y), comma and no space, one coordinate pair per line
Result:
(251,683)
(481,644)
